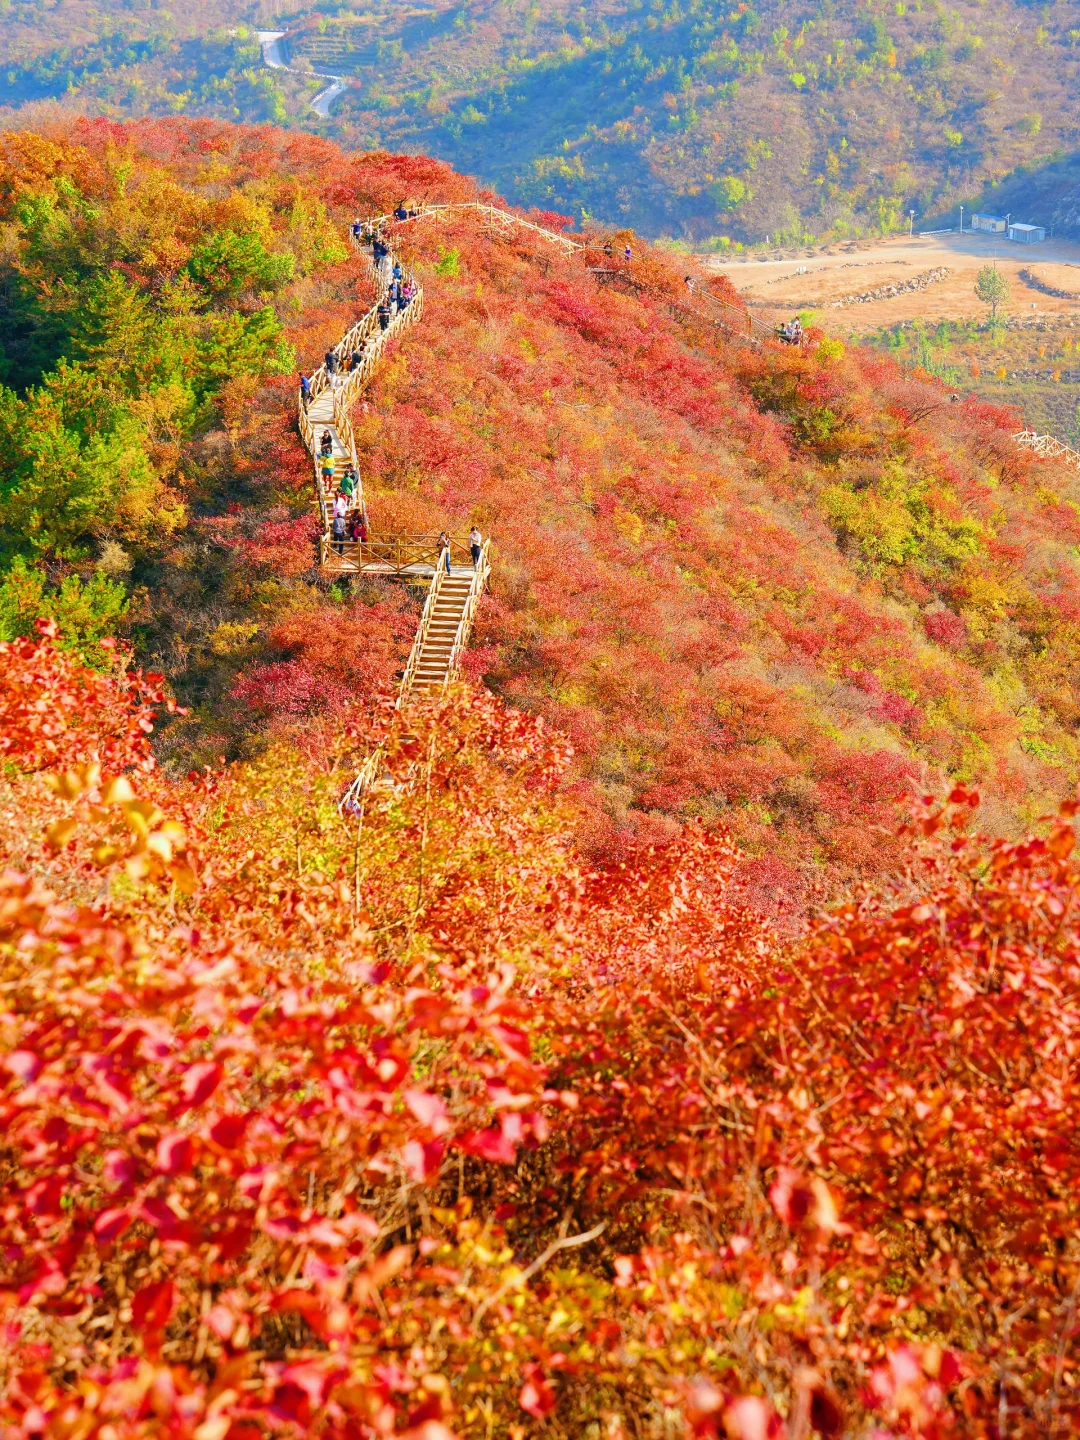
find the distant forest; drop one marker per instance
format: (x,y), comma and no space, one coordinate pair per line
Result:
(712,122)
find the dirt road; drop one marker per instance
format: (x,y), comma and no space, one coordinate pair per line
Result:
(850,271)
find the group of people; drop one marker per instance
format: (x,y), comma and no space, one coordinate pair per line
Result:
(348,521)
(791,332)
(476,547)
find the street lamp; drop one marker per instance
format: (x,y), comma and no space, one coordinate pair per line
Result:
(911,223)
(961,219)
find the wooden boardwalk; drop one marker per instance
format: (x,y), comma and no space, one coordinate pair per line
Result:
(455,582)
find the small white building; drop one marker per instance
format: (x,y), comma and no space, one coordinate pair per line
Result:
(1027,234)
(989,224)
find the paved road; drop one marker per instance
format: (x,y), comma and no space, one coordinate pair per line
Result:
(325,98)
(274,56)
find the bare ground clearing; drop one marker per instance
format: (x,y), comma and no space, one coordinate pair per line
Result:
(849,271)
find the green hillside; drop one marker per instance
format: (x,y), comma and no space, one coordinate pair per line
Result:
(690,118)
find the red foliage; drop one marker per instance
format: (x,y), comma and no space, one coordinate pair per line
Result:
(275,1161)
(55,713)
(945,627)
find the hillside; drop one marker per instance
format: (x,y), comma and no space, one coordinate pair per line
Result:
(773,589)
(697,120)
(489,1106)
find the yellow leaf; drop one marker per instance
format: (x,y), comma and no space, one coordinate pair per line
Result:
(60,832)
(160,845)
(106,853)
(184,877)
(118,791)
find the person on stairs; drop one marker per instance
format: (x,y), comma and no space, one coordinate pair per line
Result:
(358,356)
(326,467)
(337,530)
(358,527)
(348,484)
(384,314)
(357,228)
(326,443)
(443,543)
(476,541)
(305,391)
(330,361)
(401,213)
(341,507)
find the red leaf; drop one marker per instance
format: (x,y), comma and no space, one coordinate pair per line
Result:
(111,1224)
(199,1084)
(422,1162)
(151,1310)
(175,1153)
(228,1131)
(118,1167)
(537,1397)
(23,1064)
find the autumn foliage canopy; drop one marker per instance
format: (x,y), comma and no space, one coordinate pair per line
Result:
(411,1123)
(505,1103)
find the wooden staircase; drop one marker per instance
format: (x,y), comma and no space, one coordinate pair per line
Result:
(437,645)
(444,627)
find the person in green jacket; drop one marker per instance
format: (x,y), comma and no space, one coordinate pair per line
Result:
(348,483)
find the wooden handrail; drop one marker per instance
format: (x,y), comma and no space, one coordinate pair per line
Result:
(428,212)
(468,614)
(1047,446)
(406,683)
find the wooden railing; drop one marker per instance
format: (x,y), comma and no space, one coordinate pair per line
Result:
(307,434)
(492,212)
(468,614)
(398,555)
(1048,447)
(369,338)
(435,589)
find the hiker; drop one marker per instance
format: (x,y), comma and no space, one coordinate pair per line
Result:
(305,391)
(378,249)
(357,228)
(357,527)
(358,356)
(337,530)
(476,541)
(690,283)
(330,361)
(341,506)
(326,469)
(401,213)
(384,315)
(326,443)
(443,543)
(628,254)
(398,274)
(348,483)
(408,295)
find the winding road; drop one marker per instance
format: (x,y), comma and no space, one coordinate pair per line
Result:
(274,56)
